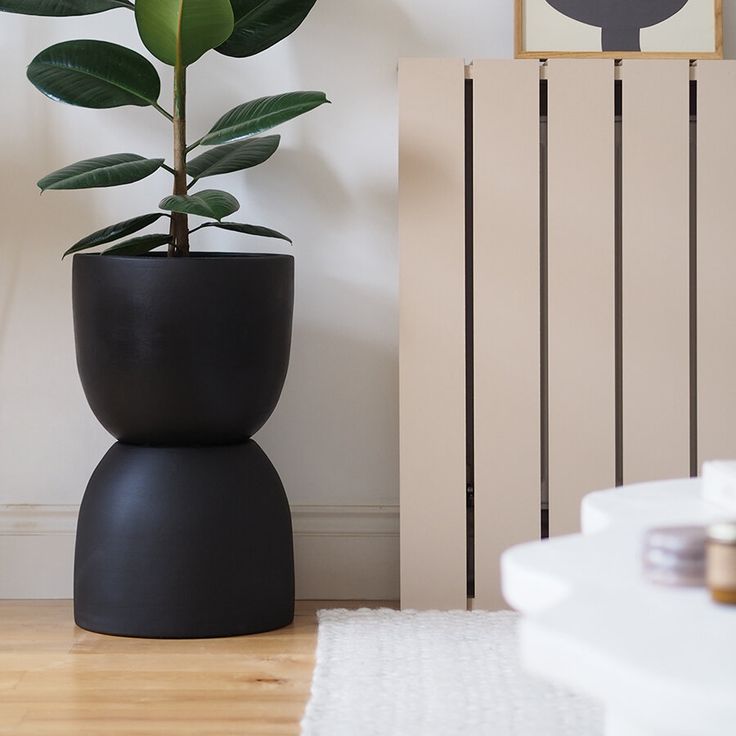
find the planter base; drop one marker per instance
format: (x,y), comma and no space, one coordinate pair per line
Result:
(184,542)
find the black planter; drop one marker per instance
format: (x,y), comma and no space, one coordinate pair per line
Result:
(184,530)
(183,351)
(184,542)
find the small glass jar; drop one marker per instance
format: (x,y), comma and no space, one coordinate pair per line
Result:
(675,555)
(721,562)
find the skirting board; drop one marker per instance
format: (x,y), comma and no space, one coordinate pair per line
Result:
(341,552)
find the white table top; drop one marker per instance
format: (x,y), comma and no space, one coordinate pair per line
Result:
(662,659)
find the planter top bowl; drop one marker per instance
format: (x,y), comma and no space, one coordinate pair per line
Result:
(183,351)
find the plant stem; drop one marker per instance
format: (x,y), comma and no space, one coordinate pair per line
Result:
(194,145)
(160,109)
(179,221)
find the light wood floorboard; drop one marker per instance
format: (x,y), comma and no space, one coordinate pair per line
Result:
(58,680)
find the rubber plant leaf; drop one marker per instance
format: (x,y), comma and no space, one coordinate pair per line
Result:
(183,30)
(259,24)
(95,74)
(104,171)
(262,114)
(138,246)
(115,232)
(233,157)
(211,203)
(61,7)
(237,227)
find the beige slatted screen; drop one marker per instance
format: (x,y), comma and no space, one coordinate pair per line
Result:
(716,259)
(656,270)
(567,298)
(432,333)
(506,327)
(581,184)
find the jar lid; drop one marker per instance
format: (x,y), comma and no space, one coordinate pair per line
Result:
(724,532)
(678,541)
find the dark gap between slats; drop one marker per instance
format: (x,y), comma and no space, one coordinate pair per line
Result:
(543,307)
(469,344)
(618,281)
(693,279)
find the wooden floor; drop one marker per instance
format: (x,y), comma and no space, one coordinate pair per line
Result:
(56,679)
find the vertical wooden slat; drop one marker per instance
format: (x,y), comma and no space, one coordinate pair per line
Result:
(716,262)
(506,315)
(581,285)
(656,254)
(432,333)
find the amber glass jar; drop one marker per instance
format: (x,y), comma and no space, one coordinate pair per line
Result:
(721,562)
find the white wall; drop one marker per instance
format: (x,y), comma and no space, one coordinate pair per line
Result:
(332,186)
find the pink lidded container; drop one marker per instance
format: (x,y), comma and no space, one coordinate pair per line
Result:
(675,555)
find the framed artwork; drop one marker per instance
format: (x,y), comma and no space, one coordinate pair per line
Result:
(619,29)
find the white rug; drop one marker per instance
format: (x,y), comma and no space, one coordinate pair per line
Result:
(391,673)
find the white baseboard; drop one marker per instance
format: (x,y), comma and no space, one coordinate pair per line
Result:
(341,552)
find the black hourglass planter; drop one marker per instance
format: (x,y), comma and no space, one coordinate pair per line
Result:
(183,351)
(184,530)
(620,21)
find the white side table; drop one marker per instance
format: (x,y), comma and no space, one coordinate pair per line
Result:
(663,660)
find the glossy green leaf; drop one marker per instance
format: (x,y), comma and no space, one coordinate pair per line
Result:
(104,171)
(233,157)
(115,232)
(237,227)
(138,246)
(61,7)
(259,24)
(95,74)
(183,29)
(262,114)
(211,203)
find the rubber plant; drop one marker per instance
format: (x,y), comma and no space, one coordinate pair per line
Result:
(98,74)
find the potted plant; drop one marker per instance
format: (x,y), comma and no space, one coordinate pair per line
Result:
(184,529)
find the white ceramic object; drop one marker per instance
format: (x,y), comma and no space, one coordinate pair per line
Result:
(662,660)
(719,484)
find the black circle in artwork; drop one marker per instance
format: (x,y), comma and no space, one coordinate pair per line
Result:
(619,20)
(184,542)
(183,351)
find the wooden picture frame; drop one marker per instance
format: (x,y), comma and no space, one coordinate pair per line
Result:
(588,8)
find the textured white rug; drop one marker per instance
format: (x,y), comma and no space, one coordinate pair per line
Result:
(391,673)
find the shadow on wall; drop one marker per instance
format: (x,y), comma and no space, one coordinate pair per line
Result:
(32,241)
(10,250)
(339,172)
(301,174)
(353,370)
(36,230)
(26,237)
(380,32)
